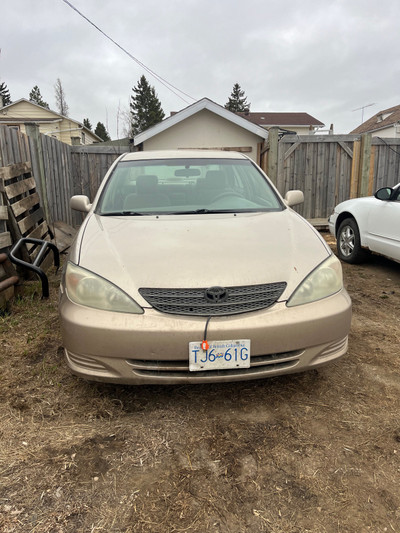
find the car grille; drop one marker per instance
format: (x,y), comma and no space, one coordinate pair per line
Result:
(194,302)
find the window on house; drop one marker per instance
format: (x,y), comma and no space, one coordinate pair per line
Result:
(384,116)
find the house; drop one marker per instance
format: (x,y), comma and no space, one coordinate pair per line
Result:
(386,123)
(296,123)
(207,125)
(50,123)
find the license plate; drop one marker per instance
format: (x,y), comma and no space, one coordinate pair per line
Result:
(221,355)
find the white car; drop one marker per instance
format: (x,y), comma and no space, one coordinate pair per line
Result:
(371,223)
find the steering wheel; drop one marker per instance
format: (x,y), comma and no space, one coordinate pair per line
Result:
(226,194)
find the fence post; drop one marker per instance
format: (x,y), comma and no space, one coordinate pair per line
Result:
(355,170)
(365,163)
(272,166)
(32,130)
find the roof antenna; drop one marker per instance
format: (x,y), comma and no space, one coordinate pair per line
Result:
(362,111)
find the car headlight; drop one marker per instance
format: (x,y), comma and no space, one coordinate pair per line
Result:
(85,288)
(325,280)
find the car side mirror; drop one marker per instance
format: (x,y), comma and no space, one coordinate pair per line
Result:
(294,198)
(384,194)
(80,203)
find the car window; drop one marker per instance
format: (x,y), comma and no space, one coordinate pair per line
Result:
(185,185)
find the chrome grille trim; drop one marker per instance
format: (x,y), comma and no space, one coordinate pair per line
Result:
(243,299)
(258,363)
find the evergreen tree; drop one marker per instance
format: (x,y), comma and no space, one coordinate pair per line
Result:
(62,105)
(101,132)
(145,107)
(237,102)
(5,93)
(87,124)
(36,97)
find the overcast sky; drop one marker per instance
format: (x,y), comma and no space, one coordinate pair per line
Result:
(326,58)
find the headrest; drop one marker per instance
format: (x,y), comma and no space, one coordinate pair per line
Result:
(215,179)
(146,183)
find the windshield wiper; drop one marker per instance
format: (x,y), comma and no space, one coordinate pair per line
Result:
(202,211)
(123,213)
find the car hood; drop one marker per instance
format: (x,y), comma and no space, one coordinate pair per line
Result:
(356,202)
(191,251)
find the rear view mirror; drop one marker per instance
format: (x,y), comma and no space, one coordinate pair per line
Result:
(294,198)
(384,194)
(186,172)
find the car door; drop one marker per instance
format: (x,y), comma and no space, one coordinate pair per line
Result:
(384,226)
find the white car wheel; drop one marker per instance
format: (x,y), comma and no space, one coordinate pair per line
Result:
(349,243)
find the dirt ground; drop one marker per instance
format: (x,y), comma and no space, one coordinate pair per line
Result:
(312,452)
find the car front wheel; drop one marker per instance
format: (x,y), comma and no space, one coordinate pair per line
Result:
(349,243)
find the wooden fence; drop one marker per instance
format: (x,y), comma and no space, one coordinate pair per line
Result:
(385,163)
(330,169)
(89,165)
(63,170)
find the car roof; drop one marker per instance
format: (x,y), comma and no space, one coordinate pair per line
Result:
(182,154)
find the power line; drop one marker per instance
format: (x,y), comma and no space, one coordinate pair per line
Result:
(164,82)
(388,145)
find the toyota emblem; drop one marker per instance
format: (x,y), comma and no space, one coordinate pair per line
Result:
(216,295)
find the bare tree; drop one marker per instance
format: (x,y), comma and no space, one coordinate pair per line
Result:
(60,98)
(124,119)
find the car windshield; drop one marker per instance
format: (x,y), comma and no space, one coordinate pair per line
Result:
(185,186)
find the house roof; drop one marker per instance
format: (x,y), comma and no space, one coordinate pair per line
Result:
(191,110)
(267,119)
(57,118)
(382,119)
(22,120)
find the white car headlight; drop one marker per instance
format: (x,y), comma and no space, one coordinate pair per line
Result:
(325,280)
(85,288)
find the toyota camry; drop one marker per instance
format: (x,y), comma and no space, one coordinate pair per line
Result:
(190,267)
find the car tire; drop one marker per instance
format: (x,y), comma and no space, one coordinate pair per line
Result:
(349,242)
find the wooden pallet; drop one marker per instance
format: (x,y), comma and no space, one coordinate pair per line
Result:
(5,237)
(26,217)
(8,279)
(6,293)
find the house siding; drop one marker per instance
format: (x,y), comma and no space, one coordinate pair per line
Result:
(205,130)
(392,132)
(300,130)
(62,129)
(26,109)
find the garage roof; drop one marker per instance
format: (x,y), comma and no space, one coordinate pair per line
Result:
(204,103)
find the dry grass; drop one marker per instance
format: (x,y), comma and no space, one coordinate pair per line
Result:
(314,452)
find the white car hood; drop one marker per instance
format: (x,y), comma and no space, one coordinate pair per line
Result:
(189,251)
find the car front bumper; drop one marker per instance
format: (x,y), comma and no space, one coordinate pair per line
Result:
(153,347)
(332,224)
